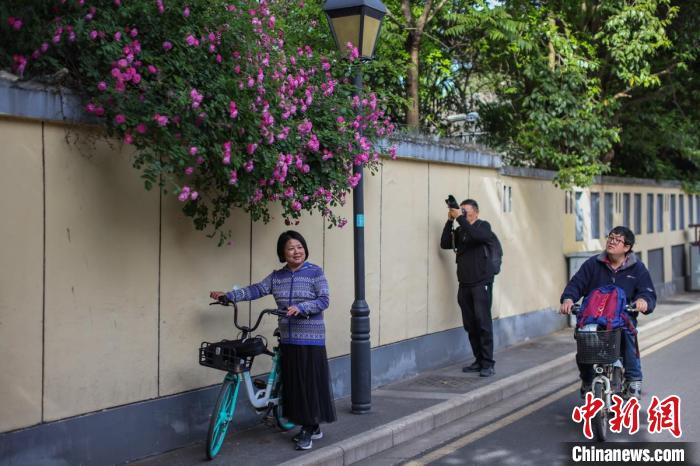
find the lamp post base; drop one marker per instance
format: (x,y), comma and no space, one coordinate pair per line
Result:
(361,409)
(360,358)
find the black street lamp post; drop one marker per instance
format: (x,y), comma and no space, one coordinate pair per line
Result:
(358,22)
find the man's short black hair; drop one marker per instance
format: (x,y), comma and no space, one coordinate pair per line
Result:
(625,233)
(286,236)
(470,202)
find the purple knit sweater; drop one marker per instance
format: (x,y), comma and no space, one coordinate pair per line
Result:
(307,289)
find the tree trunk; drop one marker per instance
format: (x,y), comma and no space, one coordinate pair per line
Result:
(413,113)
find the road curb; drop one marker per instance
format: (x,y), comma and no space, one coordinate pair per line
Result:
(409,427)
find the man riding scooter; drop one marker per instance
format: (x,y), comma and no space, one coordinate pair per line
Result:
(618,266)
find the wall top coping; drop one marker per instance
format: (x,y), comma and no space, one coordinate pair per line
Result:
(30,99)
(538,173)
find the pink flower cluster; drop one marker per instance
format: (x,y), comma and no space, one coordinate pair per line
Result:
(15,23)
(187,194)
(19,63)
(353,53)
(93,109)
(279,108)
(227,153)
(196,98)
(161,120)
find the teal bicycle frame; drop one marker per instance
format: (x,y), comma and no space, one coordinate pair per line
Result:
(263,400)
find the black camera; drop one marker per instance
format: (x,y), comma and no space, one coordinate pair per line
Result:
(451,202)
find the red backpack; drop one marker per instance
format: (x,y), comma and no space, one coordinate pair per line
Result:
(605,306)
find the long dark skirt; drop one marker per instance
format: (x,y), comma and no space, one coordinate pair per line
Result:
(306,388)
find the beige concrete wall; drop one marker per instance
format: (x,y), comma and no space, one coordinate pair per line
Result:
(443,311)
(21,293)
(339,268)
(404,251)
(101,329)
(191,266)
(534,270)
(127,277)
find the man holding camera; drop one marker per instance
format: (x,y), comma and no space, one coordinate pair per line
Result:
(475,276)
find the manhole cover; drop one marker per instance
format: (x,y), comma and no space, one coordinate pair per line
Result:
(444,382)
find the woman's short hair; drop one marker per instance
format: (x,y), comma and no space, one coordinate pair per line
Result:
(286,236)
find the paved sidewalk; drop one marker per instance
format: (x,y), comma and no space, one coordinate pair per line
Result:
(406,409)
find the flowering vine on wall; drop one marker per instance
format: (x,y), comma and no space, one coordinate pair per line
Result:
(223,112)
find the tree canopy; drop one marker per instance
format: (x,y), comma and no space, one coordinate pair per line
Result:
(584,87)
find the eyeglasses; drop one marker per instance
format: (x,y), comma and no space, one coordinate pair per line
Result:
(616,240)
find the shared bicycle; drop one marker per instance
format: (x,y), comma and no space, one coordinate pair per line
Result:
(236,358)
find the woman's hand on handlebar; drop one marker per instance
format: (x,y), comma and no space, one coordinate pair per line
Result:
(215,295)
(293,311)
(220,297)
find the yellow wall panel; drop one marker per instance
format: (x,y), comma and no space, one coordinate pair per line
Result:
(192,265)
(404,251)
(443,310)
(101,278)
(21,234)
(534,268)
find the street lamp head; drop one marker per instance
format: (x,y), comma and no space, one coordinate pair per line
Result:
(357,22)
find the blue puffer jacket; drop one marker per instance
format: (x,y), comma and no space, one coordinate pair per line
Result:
(633,277)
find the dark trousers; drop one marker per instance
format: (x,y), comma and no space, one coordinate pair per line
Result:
(475,303)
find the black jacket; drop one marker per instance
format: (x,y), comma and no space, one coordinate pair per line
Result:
(469,243)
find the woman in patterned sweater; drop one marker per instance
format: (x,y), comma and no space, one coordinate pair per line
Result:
(302,290)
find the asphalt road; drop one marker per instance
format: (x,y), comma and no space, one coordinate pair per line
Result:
(538,437)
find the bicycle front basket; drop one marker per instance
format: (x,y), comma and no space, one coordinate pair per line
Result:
(231,355)
(602,347)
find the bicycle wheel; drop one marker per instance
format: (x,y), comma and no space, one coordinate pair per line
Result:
(600,421)
(282,422)
(221,417)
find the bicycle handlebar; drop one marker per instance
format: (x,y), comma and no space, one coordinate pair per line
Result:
(224,301)
(629,308)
